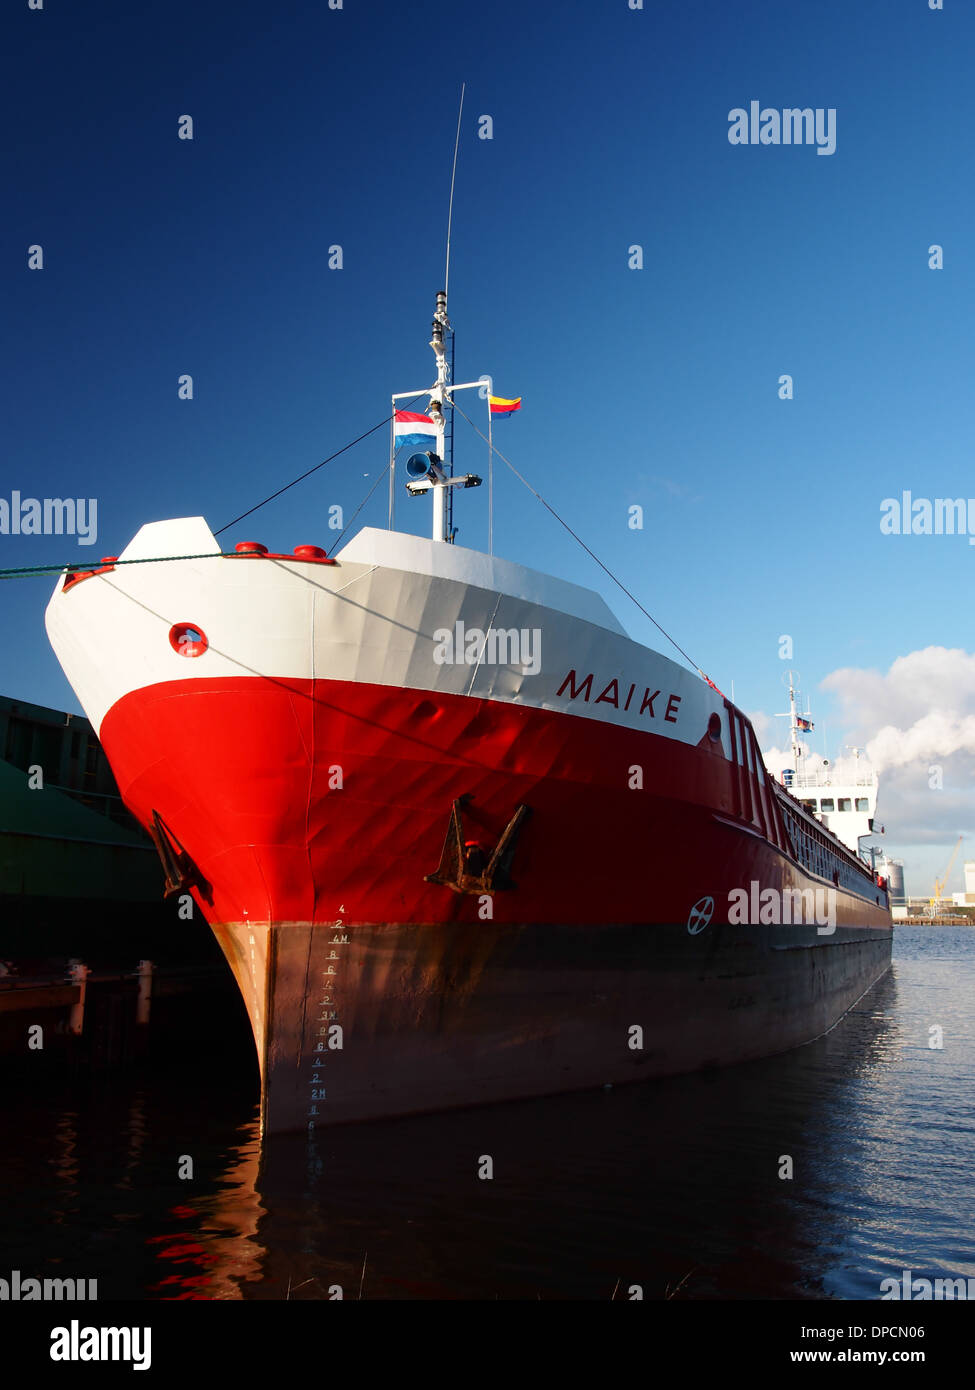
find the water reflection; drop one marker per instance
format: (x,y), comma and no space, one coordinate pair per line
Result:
(213,1252)
(673,1186)
(681,1188)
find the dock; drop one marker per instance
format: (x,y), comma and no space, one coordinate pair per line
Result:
(83,1018)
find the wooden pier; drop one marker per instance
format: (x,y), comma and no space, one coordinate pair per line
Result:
(84,1018)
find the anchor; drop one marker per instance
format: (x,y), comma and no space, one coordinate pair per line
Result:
(465,866)
(181,873)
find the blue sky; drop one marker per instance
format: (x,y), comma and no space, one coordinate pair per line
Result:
(315,127)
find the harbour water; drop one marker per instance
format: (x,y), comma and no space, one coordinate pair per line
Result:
(677,1189)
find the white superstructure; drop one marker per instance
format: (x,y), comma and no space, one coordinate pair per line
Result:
(846,806)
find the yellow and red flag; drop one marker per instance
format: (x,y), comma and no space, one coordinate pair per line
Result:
(500,405)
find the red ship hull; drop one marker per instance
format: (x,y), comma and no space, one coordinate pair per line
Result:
(276,842)
(326,811)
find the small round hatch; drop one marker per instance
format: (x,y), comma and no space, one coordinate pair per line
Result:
(188,639)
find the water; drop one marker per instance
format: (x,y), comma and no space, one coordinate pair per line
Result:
(673,1186)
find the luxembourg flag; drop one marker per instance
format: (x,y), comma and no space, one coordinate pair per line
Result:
(413,430)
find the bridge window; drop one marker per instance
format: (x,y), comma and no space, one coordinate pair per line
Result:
(845,804)
(826,804)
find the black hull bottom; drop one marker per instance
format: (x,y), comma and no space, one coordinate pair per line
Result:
(364,1021)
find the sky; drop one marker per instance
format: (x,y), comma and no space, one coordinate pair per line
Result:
(659,387)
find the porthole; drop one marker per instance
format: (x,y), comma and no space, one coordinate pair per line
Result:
(187,639)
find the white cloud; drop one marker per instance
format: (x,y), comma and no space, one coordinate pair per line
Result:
(923,707)
(931,739)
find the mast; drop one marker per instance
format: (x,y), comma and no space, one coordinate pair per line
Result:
(449,455)
(794,726)
(449,519)
(425,471)
(793,719)
(441,324)
(433,469)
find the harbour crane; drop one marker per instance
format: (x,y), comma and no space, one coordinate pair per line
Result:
(939,883)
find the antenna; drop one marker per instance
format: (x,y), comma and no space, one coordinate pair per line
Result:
(426,470)
(453,175)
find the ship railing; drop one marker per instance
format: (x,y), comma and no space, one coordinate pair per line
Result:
(840,847)
(840,782)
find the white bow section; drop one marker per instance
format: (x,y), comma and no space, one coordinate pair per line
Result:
(420,555)
(398,611)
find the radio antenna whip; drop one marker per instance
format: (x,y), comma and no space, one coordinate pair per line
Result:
(453,175)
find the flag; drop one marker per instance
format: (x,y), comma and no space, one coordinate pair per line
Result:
(500,405)
(413,430)
(806,725)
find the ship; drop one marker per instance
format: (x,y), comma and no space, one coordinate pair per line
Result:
(460,837)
